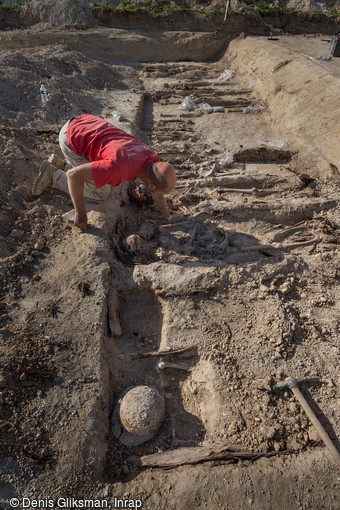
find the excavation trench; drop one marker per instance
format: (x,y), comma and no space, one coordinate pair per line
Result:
(243,290)
(192,286)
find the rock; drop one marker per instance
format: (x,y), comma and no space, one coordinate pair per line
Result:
(233,427)
(263,447)
(277,446)
(270,433)
(293,408)
(280,374)
(313,435)
(285,288)
(265,383)
(141,411)
(294,445)
(148,230)
(39,246)
(161,253)
(134,243)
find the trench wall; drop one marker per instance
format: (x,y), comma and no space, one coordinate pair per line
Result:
(253,21)
(300,96)
(154,44)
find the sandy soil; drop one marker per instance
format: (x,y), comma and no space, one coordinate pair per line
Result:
(249,280)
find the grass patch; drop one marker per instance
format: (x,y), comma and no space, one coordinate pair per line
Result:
(16,7)
(127,6)
(334,13)
(263,6)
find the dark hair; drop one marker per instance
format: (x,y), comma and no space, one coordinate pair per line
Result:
(158,179)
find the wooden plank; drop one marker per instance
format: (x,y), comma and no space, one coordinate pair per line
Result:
(195,455)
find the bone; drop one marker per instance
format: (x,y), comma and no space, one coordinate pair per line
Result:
(207,182)
(171,226)
(175,441)
(163,353)
(276,246)
(163,365)
(315,240)
(252,191)
(164,381)
(289,230)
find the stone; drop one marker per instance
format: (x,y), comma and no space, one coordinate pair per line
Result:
(293,409)
(277,446)
(134,243)
(148,230)
(270,432)
(265,383)
(295,445)
(140,411)
(313,435)
(285,288)
(263,447)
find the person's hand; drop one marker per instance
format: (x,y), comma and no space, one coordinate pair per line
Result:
(175,217)
(80,220)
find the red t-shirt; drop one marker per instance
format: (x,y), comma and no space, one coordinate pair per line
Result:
(116,156)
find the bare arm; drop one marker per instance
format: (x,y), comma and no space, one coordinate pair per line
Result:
(161,205)
(76,178)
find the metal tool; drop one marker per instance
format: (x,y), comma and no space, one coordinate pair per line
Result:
(226,9)
(293,385)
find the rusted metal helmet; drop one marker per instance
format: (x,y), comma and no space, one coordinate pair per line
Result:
(138,415)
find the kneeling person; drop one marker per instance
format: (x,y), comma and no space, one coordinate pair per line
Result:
(99,155)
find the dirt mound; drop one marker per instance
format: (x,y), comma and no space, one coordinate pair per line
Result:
(86,14)
(63,12)
(75,84)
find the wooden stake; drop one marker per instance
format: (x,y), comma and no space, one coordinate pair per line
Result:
(113,306)
(196,454)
